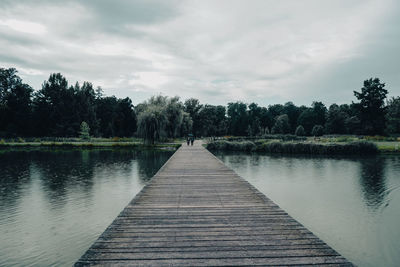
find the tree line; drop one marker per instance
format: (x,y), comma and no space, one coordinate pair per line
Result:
(59,109)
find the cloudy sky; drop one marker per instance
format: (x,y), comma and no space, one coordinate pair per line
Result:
(217,51)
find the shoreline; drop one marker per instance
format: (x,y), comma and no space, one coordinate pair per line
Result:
(86,145)
(306,147)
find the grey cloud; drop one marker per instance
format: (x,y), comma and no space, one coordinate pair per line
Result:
(135,12)
(217,51)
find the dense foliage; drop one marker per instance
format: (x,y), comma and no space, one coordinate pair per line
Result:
(359,147)
(59,109)
(161,117)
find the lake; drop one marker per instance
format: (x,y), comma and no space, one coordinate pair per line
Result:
(352,203)
(55,204)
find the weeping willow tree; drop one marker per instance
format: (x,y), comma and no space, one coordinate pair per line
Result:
(151,124)
(161,117)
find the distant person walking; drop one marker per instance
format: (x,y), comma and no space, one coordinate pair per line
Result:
(192,140)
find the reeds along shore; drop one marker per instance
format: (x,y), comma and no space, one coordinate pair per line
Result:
(296,147)
(133,143)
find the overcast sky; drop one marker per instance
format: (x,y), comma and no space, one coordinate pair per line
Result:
(217,51)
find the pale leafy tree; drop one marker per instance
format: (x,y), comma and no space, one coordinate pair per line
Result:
(300,131)
(162,117)
(281,125)
(85,131)
(249,131)
(152,122)
(317,130)
(174,112)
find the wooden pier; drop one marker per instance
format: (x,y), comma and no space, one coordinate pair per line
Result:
(197,212)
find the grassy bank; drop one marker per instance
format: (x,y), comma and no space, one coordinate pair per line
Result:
(133,143)
(296,147)
(327,144)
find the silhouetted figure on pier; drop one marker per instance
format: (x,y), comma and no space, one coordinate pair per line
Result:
(190,139)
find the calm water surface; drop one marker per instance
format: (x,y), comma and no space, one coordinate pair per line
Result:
(353,204)
(54,205)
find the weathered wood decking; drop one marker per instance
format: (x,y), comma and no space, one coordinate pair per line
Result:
(197,212)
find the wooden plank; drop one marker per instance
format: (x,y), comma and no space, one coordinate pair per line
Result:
(197,212)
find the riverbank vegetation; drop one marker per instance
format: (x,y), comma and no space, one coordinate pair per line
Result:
(326,145)
(61,110)
(295,147)
(83,143)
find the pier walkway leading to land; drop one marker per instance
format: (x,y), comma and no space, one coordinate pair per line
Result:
(197,212)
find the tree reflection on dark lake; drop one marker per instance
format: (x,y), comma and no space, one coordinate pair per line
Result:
(352,203)
(54,204)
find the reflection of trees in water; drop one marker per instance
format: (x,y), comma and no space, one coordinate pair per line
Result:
(149,162)
(64,171)
(373,181)
(15,173)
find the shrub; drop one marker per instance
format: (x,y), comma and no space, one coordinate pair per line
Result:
(2,142)
(300,131)
(317,130)
(379,138)
(344,139)
(231,146)
(320,149)
(296,148)
(84,133)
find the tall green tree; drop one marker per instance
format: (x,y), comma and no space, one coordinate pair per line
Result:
(307,119)
(393,116)
(106,113)
(116,117)
(310,117)
(293,113)
(192,106)
(125,121)
(275,110)
(85,107)
(266,120)
(212,120)
(319,111)
(15,104)
(372,106)
(335,120)
(255,113)
(237,118)
(52,108)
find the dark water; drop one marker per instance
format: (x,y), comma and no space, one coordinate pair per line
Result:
(54,205)
(353,204)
